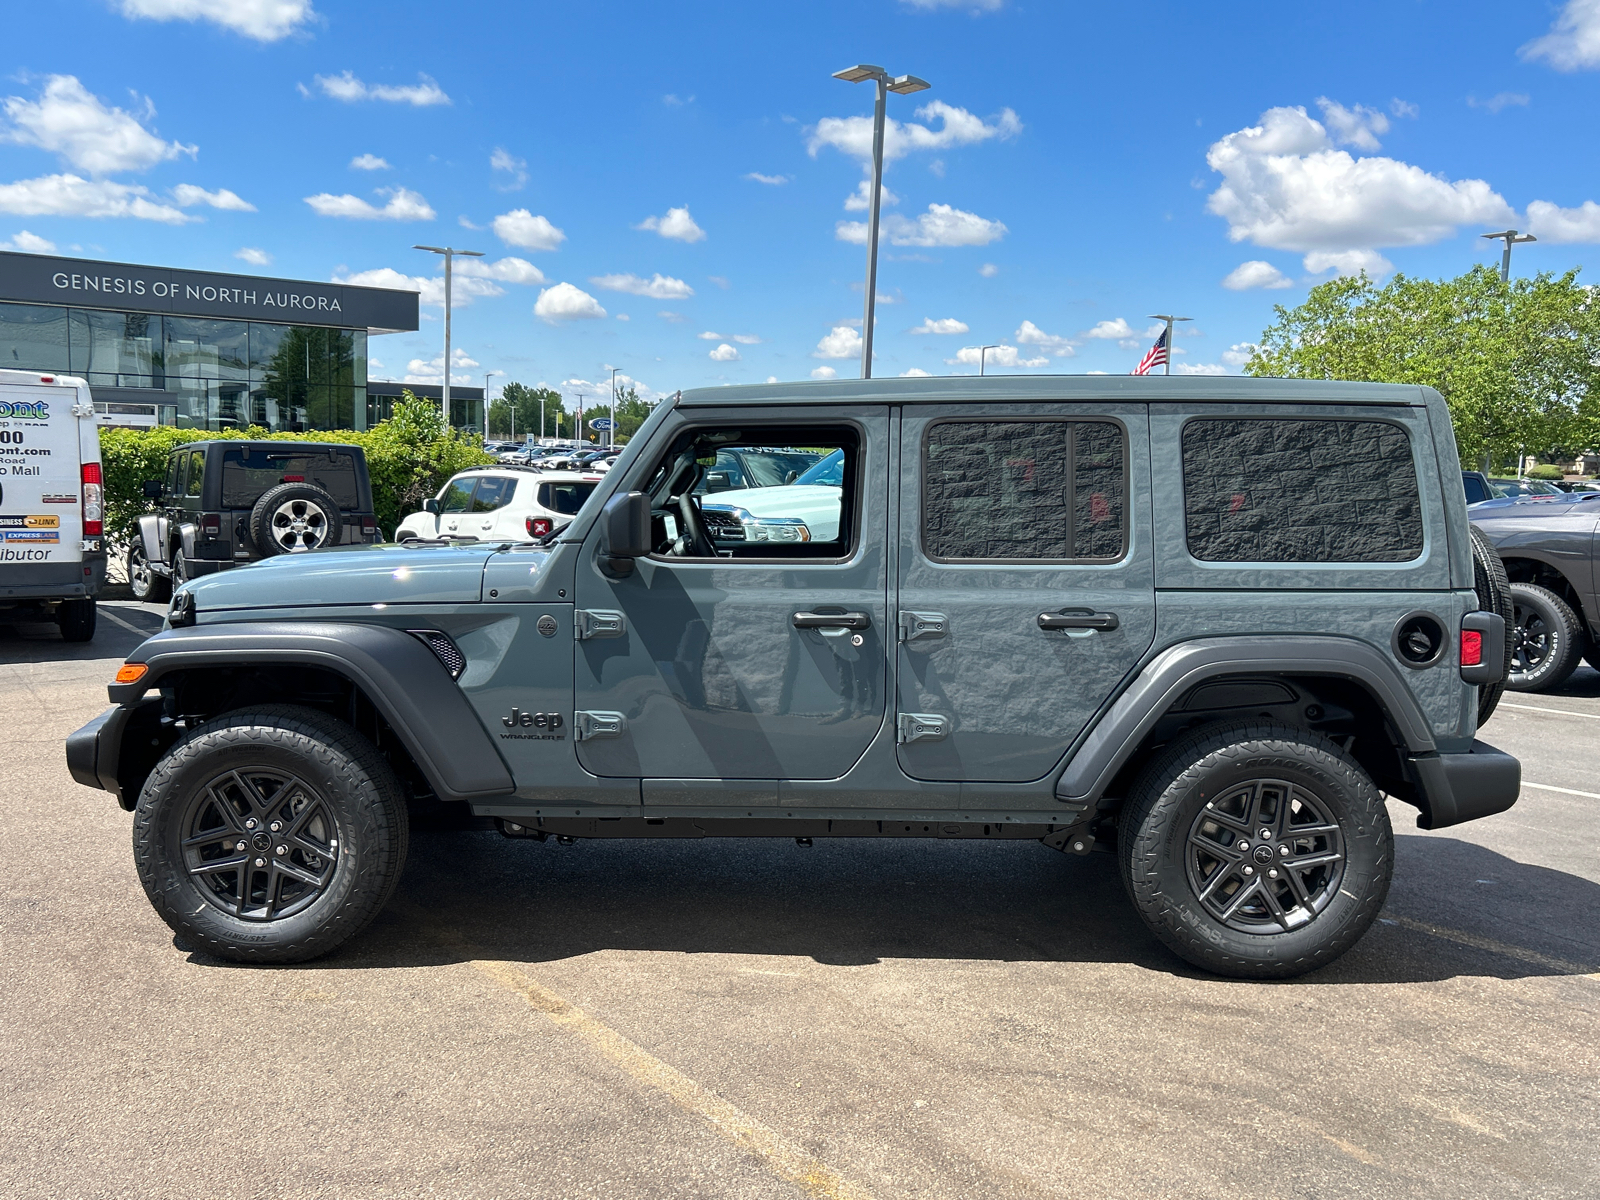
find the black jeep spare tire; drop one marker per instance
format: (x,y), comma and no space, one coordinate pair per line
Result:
(293,517)
(1494,595)
(1256,850)
(270,835)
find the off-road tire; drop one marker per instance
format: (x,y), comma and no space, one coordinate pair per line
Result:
(1494,595)
(144,583)
(75,619)
(1207,766)
(352,780)
(274,498)
(1541,612)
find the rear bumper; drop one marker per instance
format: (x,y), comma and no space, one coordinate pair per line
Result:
(52,581)
(1454,788)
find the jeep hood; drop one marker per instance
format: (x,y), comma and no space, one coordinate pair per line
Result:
(387,574)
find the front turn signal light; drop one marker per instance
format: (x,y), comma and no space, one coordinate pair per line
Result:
(131,672)
(1471,648)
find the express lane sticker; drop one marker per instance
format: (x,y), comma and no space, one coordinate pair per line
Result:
(31,527)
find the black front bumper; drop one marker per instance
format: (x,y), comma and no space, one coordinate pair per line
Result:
(94,751)
(1463,787)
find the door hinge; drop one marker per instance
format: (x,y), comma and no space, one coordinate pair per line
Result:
(914,727)
(589,725)
(597,623)
(914,625)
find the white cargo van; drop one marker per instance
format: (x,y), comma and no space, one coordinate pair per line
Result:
(52,502)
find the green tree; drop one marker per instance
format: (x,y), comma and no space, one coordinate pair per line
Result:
(1516,362)
(631,413)
(526,403)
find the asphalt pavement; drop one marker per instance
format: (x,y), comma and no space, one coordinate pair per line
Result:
(758,1019)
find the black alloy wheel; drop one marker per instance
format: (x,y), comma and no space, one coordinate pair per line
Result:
(1546,639)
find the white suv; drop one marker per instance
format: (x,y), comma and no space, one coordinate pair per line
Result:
(492,504)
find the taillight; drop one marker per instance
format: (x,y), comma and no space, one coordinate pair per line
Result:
(369,526)
(94,497)
(212,524)
(1471,648)
(539,526)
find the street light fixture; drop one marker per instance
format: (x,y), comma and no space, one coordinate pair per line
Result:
(982,352)
(449,253)
(611,434)
(1511,237)
(901,85)
(486,375)
(1169,321)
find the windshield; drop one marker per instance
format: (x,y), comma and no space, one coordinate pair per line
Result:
(827,473)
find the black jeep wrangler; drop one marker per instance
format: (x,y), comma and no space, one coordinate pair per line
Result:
(229,502)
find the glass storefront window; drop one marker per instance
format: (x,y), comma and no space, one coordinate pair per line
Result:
(116,349)
(33,338)
(200,349)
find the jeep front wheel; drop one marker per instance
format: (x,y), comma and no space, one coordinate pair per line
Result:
(143,582)
(270,835)
(1256,850)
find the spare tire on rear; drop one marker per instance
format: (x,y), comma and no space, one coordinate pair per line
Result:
(1494,595)
(294,517)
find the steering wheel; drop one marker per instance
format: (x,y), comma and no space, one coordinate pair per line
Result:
(694,542)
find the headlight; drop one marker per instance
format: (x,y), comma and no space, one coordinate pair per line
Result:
(729,524)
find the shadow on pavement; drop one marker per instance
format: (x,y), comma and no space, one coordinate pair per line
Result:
(40,641)
(855,903)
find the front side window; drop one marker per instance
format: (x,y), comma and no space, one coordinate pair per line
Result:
(457,497)
(1271,489)
(1041,491)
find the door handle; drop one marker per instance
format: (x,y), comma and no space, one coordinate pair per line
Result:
(848,620)
(1078,620)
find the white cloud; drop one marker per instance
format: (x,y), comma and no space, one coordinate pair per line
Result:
(744,339)
(1284,186)
(348,88)
(1255,274)
(1109,330)
(772,379)
(958,127)
(563,302)
(187,195)
(658,287)
(505,270)
(1348,262)
(515,169)
(474,279)
(29,243)
(770,180)
(824,373)
(973,6)
(404,205)
(1573,41)
(841,342)
(860,199)
(431,370)
(264,20)
(1501,100)
(1029,334)
(672,101)
(369,162)
(941,225)
(70,122)
(916,373)
(73,196)
(519,227)
(724,353)
(677,224)
(1239,353)
(1199,369)
(940,325)
(720,281)
(997,356)
(988,270)
(675,318)
(1552,223)
(1358,126)
(624,317)
(1404,108)
(256,258)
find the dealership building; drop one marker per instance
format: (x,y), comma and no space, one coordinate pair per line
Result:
(206,351)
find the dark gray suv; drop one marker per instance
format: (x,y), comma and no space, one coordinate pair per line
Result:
(1205,625)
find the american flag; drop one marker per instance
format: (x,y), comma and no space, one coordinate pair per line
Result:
(1154,357)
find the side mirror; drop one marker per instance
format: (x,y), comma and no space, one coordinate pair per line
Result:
(790,477)
(153,489)
(430,505)
(625,531)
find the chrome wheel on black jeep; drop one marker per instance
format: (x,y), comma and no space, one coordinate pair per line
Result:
(294,517)
(144,583)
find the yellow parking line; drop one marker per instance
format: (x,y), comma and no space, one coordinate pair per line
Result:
(1531,957)
(785,1159)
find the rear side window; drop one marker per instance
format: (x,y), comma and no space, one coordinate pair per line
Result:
(564,498)
(494,491)
(1045,491)
(249,471)
(1287,490)
(196,473)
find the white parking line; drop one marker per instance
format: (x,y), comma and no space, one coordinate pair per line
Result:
(128,625)
(1560,712)
(1545,787)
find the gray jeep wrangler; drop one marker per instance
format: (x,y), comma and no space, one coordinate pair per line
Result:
(1203,624)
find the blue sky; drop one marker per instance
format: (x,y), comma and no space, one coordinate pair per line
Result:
(662,187)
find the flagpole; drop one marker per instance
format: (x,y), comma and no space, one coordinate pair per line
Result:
(1169,320)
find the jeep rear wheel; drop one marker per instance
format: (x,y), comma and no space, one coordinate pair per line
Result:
(1256,850)
(270,835)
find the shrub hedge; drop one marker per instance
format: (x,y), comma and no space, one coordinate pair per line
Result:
(409,457)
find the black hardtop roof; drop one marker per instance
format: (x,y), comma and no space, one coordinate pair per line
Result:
(954,389)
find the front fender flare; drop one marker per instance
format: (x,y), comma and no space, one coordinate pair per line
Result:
(404,680)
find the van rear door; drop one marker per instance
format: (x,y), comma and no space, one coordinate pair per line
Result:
(43,446)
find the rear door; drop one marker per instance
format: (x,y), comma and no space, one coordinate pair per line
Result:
(1026,584)
(41,520)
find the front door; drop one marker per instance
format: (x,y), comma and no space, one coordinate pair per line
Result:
(1026,590)
(752,646)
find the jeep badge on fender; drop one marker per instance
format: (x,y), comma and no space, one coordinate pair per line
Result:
(533,720)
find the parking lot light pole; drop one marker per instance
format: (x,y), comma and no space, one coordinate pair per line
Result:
(1511,237)
(611,434)
(1169,321)
(982,352)
(486,375)
(449,253)
(901,85)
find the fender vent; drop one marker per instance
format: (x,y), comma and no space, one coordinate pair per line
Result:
(447,651)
